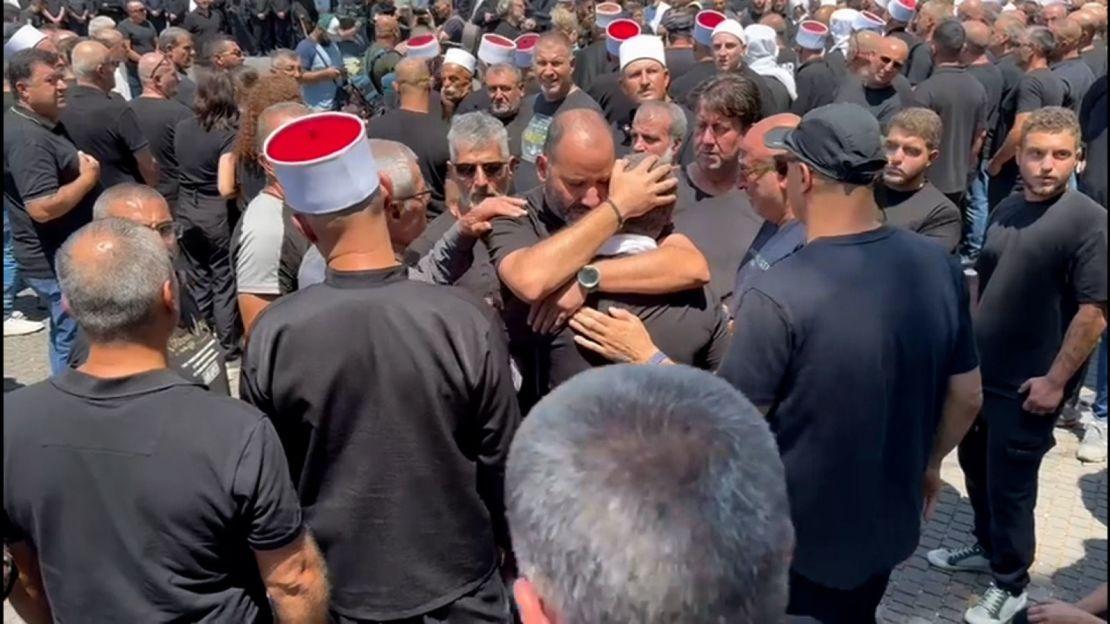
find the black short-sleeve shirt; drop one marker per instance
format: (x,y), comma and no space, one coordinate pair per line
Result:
(150,490)
(816,83)
(198,154)
(186,91)
(39,158)
(158,119)
(143,37)
(1092,119)
(1077,78)
(926,211)
(425,134)
(1040,260)
(961,102)
(990,76)
(883,102)
(850,342)
(104,126)
(203,27)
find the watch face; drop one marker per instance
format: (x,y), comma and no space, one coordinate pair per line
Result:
(589,277)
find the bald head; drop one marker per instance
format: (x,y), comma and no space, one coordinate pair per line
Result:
(753,140)
(977,33)
(1087,23)
(578,129)
(412,76)
(88,58)
(824,14)
(929,15)
(108,36)
(775,21)
(134,202)
(399,164)
(971,10)
(147,64)
(867,41)
(1068,35)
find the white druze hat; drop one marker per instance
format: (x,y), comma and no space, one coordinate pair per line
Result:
(26,37)
(605,13)
(704,23)
(422,47)
(618,32)
(323,162)
(643,47)
(730,27)
(462,58)
(496,50)
(866,20)
(525,49)
(902,10)
(812,35)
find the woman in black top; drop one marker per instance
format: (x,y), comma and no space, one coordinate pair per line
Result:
(206,204)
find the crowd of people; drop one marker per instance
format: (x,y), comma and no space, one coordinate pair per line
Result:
(544,311)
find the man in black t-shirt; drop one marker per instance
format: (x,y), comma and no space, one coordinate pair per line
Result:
(859,349)
(883,89)
(1068,66)
(1038,88)
(907,199)
(140,37)
(49,187)
(103,125)
(158,113)
(549,266)
(177,44)
(203,23)
(174,482)
(1041,310)
(983,69)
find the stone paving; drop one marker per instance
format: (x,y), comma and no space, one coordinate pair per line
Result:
(1071,518)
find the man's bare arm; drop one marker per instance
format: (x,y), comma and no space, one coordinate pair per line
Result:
(677,265)
(962,402)
(296,580)
(28,595)
(1009,145)
(148,167)
(66,198)
(1081,338)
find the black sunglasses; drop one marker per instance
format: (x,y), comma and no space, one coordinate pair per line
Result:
(490,169)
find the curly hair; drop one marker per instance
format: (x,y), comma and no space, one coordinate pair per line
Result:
(1052,120)
(269,90)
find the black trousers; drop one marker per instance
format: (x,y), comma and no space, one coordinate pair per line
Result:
(262,31)
(1001,456)
(486,604)
(206,248)
(282,32)
(829,605)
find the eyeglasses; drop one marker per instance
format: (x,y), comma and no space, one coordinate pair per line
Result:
(422,195)
(490,169)
(167,229)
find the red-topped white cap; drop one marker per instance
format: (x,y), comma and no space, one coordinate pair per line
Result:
(525,49)
(643,47)
(422,47)
(323,162)
(812,35)
(496,50)
(901,10)
(26,37)
(605,13)
(704,23)
(617,33)
(866,20)
(732,28)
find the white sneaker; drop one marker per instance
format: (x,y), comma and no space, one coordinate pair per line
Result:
(997,606)
(18,325)
(966,559)
(1093,447)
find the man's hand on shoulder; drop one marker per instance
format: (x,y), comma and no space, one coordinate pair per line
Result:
(477,222)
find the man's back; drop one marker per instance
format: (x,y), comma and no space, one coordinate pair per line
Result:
(157,120)
(396,408)
(1077,78)
(994,83)
(961,102)
(423,133)
(105,127)
(144,496)
(865,352)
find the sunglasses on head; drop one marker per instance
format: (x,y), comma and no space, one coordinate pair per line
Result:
(490,169)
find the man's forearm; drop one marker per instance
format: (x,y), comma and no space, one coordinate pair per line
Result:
(962,403)
(62,201)
(301,592)
(1009,146)
(148,168)
(670,268)
(447,261)
(312,77)
(1085,329)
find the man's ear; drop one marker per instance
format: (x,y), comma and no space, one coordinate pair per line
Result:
(302,224)
(171,297)
(386,188)
(541,168)
(933,155)
(268,168)
(529,604)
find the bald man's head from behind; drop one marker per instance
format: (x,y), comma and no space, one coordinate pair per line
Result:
(92,65)
(577,160)
(412,77)
(158,75)
(861,52)
(1068,36)
(971,10)
(1088,25)
(139,204)
(765,169)
(978,39)
(887,62)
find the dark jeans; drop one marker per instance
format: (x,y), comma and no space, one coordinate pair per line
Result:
(262,31)
(1000,457)
(282,31)
(206,249)
(829,605)
(487,604)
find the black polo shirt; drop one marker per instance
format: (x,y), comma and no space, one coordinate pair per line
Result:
(926,211)
(679,61)
(994,83)
(849,342)
(395,404)
(186,91)
(683,86)
(961,102)
(691,326)
(1077,78)
(883,102)
(1095,58)
(1036,89)
(1092,119)
(816,84)
(203,27)
(144,497)
(592,61)
(198,154)
(143,38)
(480,280)
(1040,260)
(723,228)
(919,63)
(425,134)
(103,126)
(158,119)
(39,158)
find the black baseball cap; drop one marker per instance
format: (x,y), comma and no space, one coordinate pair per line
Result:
(840,141)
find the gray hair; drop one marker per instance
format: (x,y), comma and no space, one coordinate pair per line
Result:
(116,294)
(170,36)
(99,23)
(125,192)
(650,494)
(502,68)
(265,124)
(399,162)
(477,129)
(282,53)
(672,111)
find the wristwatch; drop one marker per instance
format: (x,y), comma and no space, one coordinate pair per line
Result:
(589,277)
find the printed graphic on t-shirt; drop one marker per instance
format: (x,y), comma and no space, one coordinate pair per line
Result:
(534,136)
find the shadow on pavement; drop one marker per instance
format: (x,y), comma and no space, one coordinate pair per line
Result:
(11,384)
